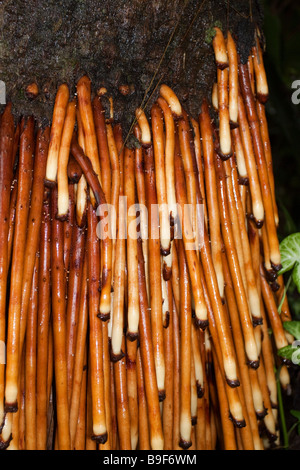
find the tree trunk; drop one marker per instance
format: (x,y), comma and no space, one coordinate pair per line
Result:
(116,42)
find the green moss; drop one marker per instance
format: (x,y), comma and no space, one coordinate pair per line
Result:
(133,142)
(211,32)
(21,94)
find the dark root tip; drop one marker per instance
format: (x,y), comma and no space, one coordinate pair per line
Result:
(4,444)
(275,286)
(146,146)
(256,321)
(223,156)
(287,362)
(222,65)
(261,428)
(101,439)
(161,395)
(202,324)
(167,320)
(238,423)
(258,223)
(233,383)
(3,422)
(185,444)
(49,184)
(62,218)
(73,179)
(261,414)
(233,125)
(104,316)
(276,267)
(177,117)
(262,98)
(253,364)
(116,357)
(243,180)
(200,390)
(194,420)
(271,436)
(271,275)
(165,252)
(11,407)
(132,336)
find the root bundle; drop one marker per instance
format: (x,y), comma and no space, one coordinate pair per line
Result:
(136,283)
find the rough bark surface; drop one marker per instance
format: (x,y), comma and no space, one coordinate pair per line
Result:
(116,42)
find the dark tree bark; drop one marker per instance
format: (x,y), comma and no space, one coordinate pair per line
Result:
(116,43)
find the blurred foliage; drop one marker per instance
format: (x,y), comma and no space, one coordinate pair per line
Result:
(282,61)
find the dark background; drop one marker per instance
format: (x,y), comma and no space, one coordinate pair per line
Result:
(282,60)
